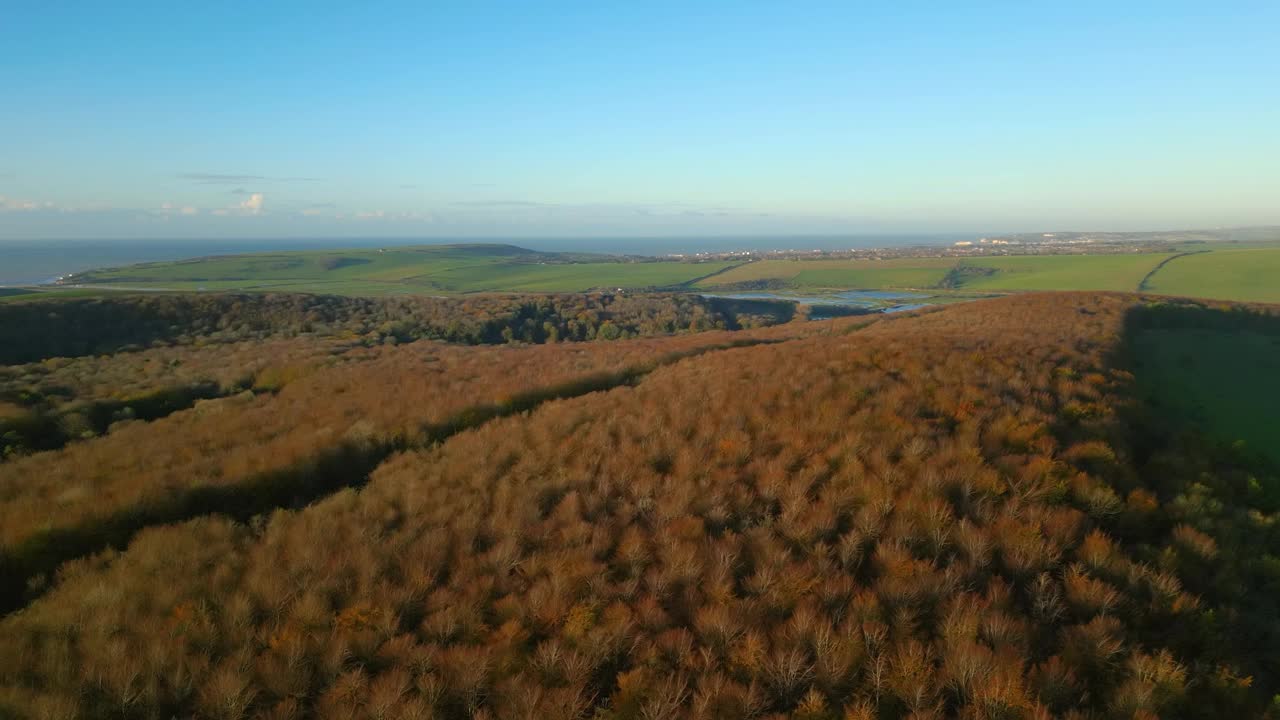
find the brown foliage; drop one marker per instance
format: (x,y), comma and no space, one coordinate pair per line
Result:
(893,523)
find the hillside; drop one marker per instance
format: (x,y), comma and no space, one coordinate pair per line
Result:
(426,269)
(1043,505)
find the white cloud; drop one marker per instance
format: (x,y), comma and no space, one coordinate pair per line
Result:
(169,209)
(14,204)
(253,205)
(393,215)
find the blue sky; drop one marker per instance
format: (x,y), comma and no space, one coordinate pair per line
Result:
(595,119)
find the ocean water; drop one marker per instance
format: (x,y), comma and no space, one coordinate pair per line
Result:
(31,262)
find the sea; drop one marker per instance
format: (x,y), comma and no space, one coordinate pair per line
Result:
(30,262)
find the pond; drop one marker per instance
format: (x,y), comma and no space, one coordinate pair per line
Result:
(869,299)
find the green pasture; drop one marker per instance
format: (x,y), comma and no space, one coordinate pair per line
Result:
(42,293)
(841,274)
(412,270)
(1028,272)
(1064,272)
(1251,275)
(1226,271)
(1225,382)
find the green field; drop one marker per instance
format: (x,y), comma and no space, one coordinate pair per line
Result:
(1224,382)
(1065,272)
(841,274)
(1223,272)
(441,269)
(1030,272)
(34,293)
(1245,272)
(1249,275)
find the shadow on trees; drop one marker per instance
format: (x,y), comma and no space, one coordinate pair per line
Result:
(25,569)
(42,430)
(1203,432)
(781,311)
(1206,371)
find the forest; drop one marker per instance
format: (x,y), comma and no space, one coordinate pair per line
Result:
(75,366)
(286,506)
(37,329)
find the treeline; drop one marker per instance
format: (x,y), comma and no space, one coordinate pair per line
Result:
(31,331)
(944,515)
(1183,314)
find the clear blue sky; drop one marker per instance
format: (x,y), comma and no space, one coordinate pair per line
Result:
(272,119)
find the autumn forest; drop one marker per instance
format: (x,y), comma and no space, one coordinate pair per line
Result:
(630,507)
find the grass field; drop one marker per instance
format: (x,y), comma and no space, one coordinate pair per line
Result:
(1246,272)
(417,270)
(1224,382)
(1034,272)
(1065,272)
(25,294)
(1250,275)
(841,274)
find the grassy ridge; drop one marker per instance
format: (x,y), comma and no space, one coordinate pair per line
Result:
(442,269)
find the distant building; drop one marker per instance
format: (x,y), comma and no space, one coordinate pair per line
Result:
(964,243)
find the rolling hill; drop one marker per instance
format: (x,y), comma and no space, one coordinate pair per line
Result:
(427,269)
(1217,270)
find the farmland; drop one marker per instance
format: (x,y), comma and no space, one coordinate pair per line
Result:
(1064,272)
(1236,271)
(1029,272)
(850,274)
(1251,275)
